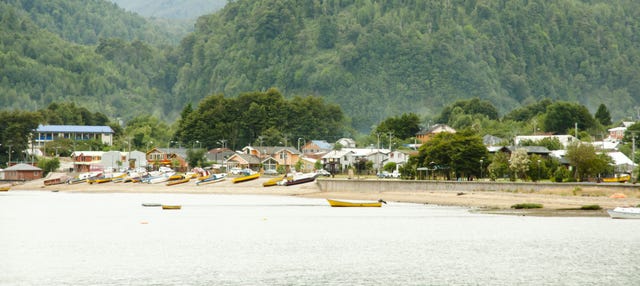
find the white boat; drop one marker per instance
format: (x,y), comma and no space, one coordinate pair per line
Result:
(214,178)
(158,178)
(624,212)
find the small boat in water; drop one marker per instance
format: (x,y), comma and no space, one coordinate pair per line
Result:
(151,205)
(171,207)
(624,212)
(5,188)
(335,203)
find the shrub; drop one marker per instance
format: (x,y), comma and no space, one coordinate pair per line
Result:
(527,206)
(591,208)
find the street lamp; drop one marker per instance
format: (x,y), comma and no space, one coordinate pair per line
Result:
(481,168)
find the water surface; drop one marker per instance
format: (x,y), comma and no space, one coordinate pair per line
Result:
(111,239)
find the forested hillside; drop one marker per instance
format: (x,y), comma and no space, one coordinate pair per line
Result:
(172,9)
(86,22)
(379,58)
(374,58)
(116,77)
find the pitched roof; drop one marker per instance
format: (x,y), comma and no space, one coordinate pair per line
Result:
(74,129)
(22,167)
(322,144)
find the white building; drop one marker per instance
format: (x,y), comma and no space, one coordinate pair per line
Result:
(565,140)
(47,133)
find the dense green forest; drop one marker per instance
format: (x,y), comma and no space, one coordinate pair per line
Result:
(172,9)
(374,59)
(115,76)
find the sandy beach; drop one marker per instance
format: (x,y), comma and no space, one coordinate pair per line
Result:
(556,203)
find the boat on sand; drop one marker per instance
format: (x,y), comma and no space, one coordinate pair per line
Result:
(625,212)
(374,204)
(246,178)
(213,178)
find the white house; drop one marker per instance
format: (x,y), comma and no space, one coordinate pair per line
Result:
(565,140)
(46,133)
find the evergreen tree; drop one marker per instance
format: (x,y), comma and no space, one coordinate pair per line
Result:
(603,116)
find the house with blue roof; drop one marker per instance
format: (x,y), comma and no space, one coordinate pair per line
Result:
(47,133)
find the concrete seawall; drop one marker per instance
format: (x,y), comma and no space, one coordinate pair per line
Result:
(375,185)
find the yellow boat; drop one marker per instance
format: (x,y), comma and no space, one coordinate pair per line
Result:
(617,179)
(176,177)
(246,178)
(171,207)
(175,182)
(273,181)
(100,180)
(5,188)
(335,203)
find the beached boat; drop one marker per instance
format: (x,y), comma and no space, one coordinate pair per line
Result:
(53,181)
(625,212)
(181,181)
(176,177)
(246,178)
(273,181)
(617,179)
(300,179)
(5,188)
(335,203)
(171,207)
(213,178)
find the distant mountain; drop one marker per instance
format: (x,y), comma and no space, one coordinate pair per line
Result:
(382,58)
(172,9)
(374,58)
(85,22)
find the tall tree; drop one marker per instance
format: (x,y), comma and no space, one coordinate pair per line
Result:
(456,154)
(602,115)
(586,161)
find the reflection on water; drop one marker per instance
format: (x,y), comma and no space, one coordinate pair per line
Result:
(111,239)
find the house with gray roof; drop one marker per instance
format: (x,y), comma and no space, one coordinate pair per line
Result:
(47,133)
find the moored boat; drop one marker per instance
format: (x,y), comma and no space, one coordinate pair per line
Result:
(171,207)
(5,188)
(625,212)
(151,205)
(336,203)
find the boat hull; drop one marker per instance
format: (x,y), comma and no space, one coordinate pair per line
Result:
(171,207)
(246,178)
(335,203)
(624,213)
(176,182)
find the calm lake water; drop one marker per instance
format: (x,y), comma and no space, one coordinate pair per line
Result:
(110,239)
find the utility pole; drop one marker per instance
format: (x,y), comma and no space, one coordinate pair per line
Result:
(633,154)
(390,136)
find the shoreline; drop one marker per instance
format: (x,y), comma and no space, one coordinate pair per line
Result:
(488,202)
